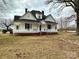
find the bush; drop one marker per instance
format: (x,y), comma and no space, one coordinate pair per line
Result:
(4,31)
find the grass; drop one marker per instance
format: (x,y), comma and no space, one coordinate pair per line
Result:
(61,46)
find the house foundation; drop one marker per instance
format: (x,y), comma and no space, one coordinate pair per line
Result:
(35,34)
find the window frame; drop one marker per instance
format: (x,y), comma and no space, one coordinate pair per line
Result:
(17,27)
(28,26)
(49,26)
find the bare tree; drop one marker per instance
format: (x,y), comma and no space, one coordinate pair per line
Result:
(73,3)
(7,23)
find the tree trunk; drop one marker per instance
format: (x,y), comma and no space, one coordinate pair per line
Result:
(77,26)
(77,21)
(7,28)
(77,11)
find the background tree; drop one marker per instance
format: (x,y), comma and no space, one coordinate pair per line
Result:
(7,23)
(73,3)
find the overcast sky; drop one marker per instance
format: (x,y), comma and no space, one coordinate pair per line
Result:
(9,8)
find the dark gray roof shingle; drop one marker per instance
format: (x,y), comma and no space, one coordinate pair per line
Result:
(17,18)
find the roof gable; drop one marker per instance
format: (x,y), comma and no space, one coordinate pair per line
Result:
(28,16)
(37,13)
(31,16)
(50,18)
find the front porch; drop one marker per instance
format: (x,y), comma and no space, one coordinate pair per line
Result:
(30,28)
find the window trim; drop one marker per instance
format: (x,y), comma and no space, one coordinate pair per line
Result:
(49,26)
(17,27)
(28,26)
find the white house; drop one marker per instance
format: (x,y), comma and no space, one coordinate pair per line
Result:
(34,22)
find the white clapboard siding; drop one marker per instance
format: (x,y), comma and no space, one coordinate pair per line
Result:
(28,16)
(50,18)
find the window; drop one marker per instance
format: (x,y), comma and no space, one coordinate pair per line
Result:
(49,26)
(55,27)
(17,27)
(27,26)
(39,17)
(40,27)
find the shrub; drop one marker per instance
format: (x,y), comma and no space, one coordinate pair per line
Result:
(4,31)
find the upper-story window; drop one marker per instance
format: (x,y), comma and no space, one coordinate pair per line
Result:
(39,16)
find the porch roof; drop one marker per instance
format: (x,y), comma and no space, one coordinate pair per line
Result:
(38,21)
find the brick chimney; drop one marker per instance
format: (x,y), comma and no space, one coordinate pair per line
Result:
(25,10)
(42,14)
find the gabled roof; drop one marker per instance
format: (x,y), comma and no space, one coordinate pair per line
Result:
(50,18)
(28,16)
(33,14)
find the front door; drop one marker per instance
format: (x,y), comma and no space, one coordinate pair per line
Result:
(40,27)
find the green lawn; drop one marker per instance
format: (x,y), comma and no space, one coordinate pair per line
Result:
(61,46)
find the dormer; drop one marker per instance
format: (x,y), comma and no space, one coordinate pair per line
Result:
(38,14)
